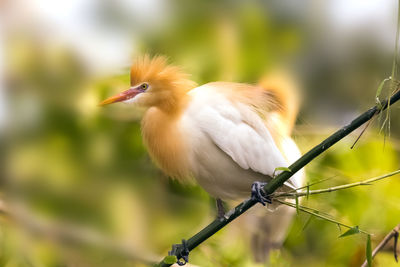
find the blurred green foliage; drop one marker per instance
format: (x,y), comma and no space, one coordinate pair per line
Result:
(70,162)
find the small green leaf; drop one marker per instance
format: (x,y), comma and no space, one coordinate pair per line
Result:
(171,259)
(368,251)
(351,231)
(286,169)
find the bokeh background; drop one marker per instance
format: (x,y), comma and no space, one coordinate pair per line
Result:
(77,187)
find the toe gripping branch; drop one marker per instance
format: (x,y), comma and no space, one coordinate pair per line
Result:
(258,194)
(181,251)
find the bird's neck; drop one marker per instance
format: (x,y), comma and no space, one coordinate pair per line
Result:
(175,98)
(164,140)
(173,106)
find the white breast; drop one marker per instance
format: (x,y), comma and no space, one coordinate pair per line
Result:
(229,145)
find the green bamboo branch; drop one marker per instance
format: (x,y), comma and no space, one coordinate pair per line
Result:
(314,213)
(335,188)
(280,179)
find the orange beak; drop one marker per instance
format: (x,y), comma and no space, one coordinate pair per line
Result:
(125,95)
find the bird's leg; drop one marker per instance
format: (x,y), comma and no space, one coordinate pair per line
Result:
(181,251)
(220,208)
(258,193)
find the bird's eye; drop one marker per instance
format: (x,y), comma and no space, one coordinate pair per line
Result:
(144,86)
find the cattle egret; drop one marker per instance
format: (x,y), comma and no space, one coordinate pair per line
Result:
(229,137)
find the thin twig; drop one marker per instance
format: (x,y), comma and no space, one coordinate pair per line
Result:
(308,185)
(393,234)
(335,188)
(313,213)
(362,132)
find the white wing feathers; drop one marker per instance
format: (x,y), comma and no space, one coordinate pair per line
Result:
(249,148)
(238,131)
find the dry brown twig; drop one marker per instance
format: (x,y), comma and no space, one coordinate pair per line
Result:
(392,234)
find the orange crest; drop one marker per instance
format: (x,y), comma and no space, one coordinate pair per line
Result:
(157,71)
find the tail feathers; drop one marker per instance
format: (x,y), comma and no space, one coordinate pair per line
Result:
(269,231)
(283,90)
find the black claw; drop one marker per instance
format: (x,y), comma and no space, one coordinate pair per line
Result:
(258,193)
(181,251)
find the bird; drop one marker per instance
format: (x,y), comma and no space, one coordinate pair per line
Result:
(226,136)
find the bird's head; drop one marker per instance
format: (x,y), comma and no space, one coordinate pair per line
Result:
(154,83)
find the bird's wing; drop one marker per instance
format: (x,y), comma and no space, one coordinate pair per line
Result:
(238,131)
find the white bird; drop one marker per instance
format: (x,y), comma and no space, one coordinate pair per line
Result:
(224,135)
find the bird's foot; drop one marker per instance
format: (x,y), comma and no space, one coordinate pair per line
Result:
(258,194)
(181,251)
(220,208)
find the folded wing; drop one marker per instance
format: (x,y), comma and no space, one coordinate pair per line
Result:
(238,131)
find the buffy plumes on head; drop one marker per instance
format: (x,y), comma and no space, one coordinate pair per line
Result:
(224,135)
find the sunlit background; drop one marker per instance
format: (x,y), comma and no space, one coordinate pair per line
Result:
(77,187)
